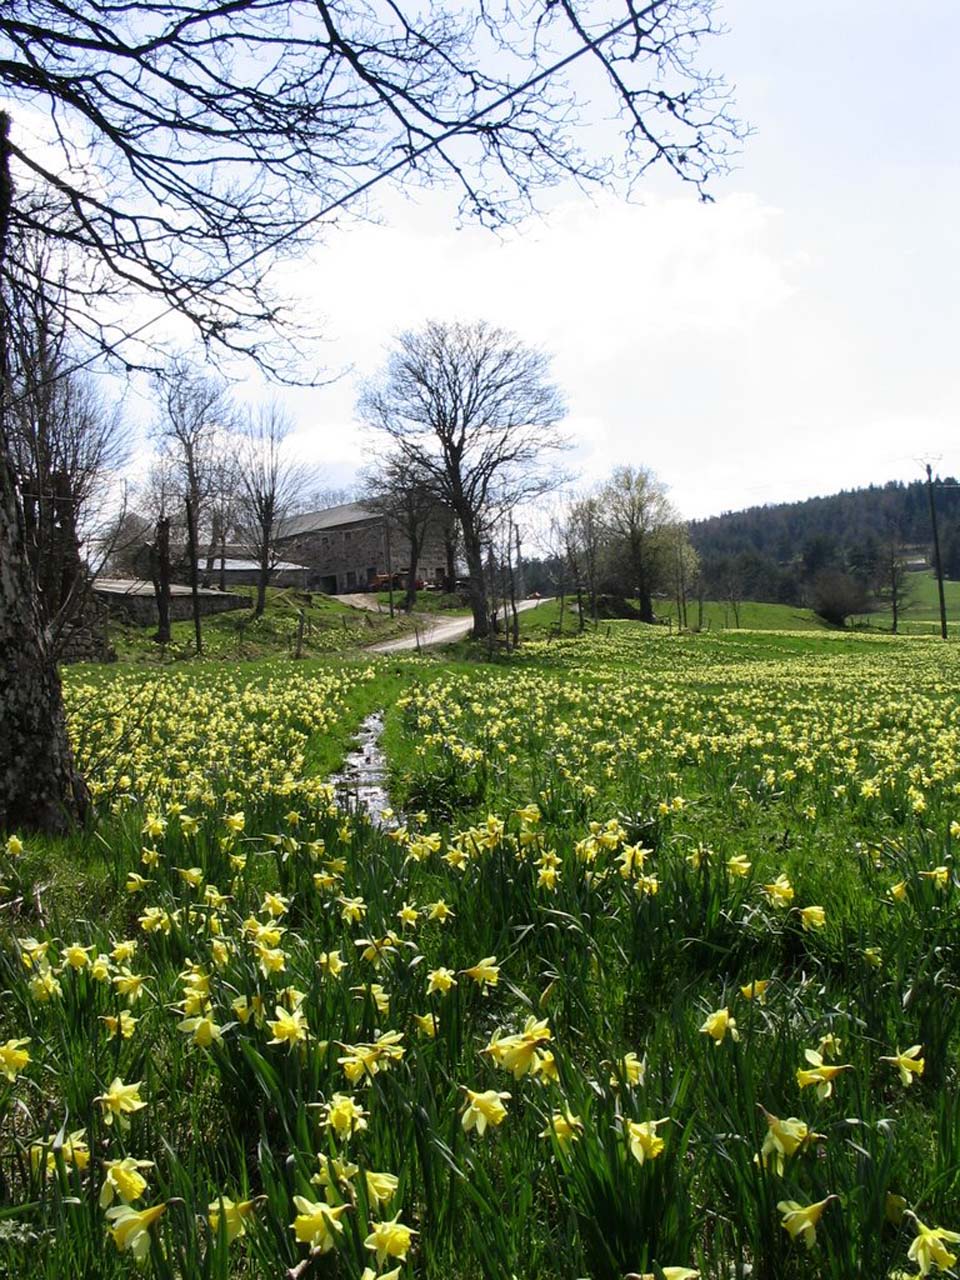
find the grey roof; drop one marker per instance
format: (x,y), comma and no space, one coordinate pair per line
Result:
(332,518)
(236,566)
(140,587)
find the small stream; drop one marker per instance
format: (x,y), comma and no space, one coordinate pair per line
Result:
(361,783)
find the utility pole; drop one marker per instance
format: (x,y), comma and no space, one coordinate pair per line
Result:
(936,555)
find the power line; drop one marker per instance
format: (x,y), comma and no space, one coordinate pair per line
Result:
(411,157)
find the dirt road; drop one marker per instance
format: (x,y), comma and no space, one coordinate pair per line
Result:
(438,631)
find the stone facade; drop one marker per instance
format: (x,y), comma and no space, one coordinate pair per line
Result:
(134,600)
(345,547)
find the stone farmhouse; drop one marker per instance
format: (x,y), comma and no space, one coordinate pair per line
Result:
(345,548)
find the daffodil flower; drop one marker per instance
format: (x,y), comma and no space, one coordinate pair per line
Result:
(643,1140)
(130,1228)
(14,1056)
(927,1248)
(801,1220)
(317,1223)
(909,1064)
(718,1025)
(819,1073)
(484,1109)
(390,1239)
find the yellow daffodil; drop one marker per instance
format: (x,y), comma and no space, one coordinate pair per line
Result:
(130,1228)
(120,1101)
(779,892)
(123,1180)
(202,1030)
(801,1220)
(909,1063)
(756,990)
(927,1248)
(643,1140)
(520,1053)
(440,980)
(14,1056)
(783,1140)
(390,1239)
(484,1109)
(381,1187)
(317,1223)
(564,1127)
(344,1116)
(630,1069)
(819,1073)
(813,918)
(485,973)
(288,1028)
(718,1025)
(233,1213)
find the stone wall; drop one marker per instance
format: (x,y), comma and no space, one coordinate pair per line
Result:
(140,607)
(345,559)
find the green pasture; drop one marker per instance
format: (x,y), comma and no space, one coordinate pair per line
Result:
(644,897)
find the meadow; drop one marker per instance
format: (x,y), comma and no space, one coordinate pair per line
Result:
(652,970)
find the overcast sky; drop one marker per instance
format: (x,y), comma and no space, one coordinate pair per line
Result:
(795,337)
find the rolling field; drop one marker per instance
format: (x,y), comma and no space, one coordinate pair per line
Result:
(653,972)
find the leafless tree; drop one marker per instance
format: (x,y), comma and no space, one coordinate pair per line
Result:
(404,494)
(637,512)
(223,509)
(270,483)
(197,415)
(171,172)
(584,547)
(894,583)
(473,410)
(66,443)
(684,567)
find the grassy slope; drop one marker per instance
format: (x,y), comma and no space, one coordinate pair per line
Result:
(716,617)
(923,613)
(611,968)
(330,628)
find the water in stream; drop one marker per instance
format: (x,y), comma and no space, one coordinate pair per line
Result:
(361,783)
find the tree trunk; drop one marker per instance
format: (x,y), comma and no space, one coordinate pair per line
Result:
(160,572)
(450,550)
(194,571)
(40,789)
(473,552)
(263,577)
(515,571)
(415,538)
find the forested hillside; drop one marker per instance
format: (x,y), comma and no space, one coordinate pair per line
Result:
(776,552)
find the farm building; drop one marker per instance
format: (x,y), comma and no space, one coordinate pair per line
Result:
(236,571)
(346,547)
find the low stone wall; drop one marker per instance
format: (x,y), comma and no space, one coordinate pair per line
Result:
(140,607)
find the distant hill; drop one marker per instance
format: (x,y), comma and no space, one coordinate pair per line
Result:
(778,549)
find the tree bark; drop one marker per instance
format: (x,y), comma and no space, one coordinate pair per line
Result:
(194,571)
(450,551)
(473,552)
(263,575)
(40,790)
(160,572)
(415,539)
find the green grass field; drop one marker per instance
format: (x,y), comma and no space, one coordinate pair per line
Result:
(330,627)
(653,972)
